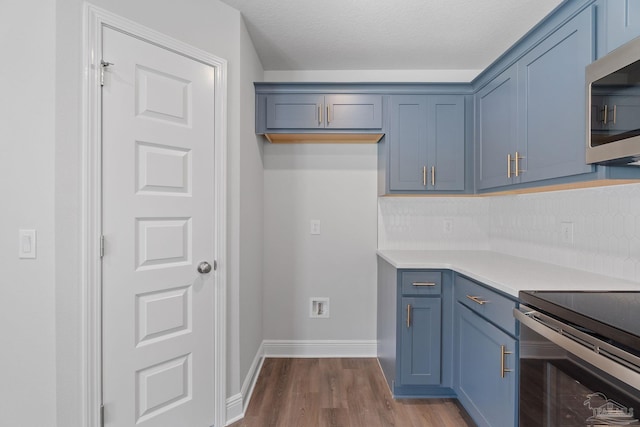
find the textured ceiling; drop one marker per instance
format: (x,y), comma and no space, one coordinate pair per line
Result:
(386,34)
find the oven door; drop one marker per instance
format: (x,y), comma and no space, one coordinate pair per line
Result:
(568,380)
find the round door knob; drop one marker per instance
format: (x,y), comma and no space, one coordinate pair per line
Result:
(204,267)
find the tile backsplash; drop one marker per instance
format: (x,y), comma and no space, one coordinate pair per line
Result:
(605,222)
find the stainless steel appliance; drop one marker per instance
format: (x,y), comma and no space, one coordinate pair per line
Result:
(579,358)
(613,107)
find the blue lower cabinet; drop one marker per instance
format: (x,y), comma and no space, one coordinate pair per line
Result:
(420,341)
(415,331)
(486,370)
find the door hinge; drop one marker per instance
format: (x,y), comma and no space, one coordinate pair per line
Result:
(101,246)
(103,64)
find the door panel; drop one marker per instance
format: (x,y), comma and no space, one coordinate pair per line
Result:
(489,398)
(408,142)
(421,341)
(158,213)
(496,129)
(295,111)
(350,111)
(553,128)
(447,134)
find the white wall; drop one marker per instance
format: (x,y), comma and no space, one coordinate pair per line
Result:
(27,291)
(251,212)
(606,223)
(335,184)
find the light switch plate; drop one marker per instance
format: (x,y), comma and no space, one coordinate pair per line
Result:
(315,227)
(26,244)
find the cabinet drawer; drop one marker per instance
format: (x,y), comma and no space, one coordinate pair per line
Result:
(487,303)
(421,282)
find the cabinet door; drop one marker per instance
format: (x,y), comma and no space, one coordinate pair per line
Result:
(487,394)
(496,129)
(552,97)
(408,142)
(353,111)
(420,341)
(622,22)
(295,111)
(446,134)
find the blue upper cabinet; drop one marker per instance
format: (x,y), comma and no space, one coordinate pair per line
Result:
(426,143)
(447,152)
(619,22)
(530,119)
(552,99)
(310,111)
(496,130)
(407,140)
(295,111)
(353,111)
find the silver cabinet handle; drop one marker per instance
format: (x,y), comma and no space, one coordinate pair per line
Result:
(423,284)
(319,114)
(477,300)
(204,267)
(503,354)
(433,176)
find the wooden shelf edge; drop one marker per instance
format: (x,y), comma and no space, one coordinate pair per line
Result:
(324,138)
(545,189)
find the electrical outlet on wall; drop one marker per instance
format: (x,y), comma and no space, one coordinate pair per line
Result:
(447,226)
(566,233)
(319,307)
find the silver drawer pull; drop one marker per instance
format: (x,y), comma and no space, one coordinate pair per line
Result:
(423,284)
(477,300)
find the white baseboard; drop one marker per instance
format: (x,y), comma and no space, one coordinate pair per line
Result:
(237,404)
(234,409)
(320,348)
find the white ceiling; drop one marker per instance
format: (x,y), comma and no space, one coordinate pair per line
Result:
(386,34)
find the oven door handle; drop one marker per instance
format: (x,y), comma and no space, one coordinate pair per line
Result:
(619,364)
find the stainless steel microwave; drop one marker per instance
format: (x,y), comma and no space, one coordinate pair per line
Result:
(613,107)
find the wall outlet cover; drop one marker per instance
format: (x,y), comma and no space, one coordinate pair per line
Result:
(319,307)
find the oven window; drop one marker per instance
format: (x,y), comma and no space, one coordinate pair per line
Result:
(554,389)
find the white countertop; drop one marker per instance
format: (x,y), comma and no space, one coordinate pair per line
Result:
(507,273)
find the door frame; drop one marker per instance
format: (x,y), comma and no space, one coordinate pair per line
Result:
(94,19)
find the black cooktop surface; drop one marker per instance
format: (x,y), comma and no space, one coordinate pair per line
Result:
(612,316)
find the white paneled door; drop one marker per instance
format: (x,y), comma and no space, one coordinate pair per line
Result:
(158,227)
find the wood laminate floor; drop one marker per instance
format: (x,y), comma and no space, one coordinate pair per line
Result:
(339,392)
